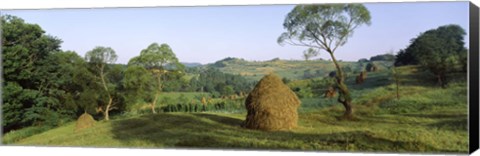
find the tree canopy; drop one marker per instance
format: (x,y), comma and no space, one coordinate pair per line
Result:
(324,27)
(441,50)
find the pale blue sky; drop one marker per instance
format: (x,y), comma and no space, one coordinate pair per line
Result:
(208,34)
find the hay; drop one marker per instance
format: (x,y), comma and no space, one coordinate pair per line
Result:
(374,68)
(330,92)
(271,105)
(361,77)
(371,67)
(84,121)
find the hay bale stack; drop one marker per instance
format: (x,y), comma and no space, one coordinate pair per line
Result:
(330,92)
(371,67)
(361,77)
(374,68)
(84,121)
(271,105)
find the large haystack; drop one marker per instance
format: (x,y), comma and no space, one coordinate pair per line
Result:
(84,121)
(330,93)
(271,105)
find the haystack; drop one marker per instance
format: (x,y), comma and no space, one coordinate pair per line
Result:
(84,121)
(330,92)
(361,77)
(271,105)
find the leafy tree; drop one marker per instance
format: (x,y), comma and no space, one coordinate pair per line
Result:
(137,83)
(159,60)
(405,57)
(99,57)
(326,27)
(441,51)
(214,81)
(31,91)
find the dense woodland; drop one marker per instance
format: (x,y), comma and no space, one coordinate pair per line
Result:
(46,86)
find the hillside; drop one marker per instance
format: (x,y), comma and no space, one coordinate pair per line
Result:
(384,124)
(291,69)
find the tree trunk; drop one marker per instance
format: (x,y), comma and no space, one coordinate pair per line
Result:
(397,83)
(107,109)
(441,80)
(110,99)
(159,89)
(153,103)
(344,95)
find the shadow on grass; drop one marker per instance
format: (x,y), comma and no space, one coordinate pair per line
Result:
(221,119)
(437,116)
(457,124)
(214,131)
(452,122)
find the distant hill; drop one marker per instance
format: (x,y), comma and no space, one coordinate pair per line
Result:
(291,69)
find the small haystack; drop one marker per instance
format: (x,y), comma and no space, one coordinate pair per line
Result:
(84,121)
(271,105)
(330,92)
(371,67)
(361,77)
(374,68)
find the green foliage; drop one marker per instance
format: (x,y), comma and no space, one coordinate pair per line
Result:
(440,50)
(37,76)
(383,57)
(137,84)
(405,57)
(411,124)
(159,57)
(333,22)
(218,83)
(363,60)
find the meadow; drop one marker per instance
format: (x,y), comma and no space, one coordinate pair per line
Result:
(383,123)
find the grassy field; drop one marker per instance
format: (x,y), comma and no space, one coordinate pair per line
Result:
(425,119)
(285,68)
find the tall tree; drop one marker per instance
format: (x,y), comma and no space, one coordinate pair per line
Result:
(441,51)
(159,60)
(30,91)
(138,82)
(99,58)
(326,27)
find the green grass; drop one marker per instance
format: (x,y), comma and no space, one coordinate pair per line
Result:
(189,95)
(17,135)
(317,131)
(284,68)
(425,119)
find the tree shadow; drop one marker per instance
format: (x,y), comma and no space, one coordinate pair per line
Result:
(452,122)
(436,116)
(220,119)
(167,130)
(457,124)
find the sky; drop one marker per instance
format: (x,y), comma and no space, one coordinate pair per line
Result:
(207,34)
